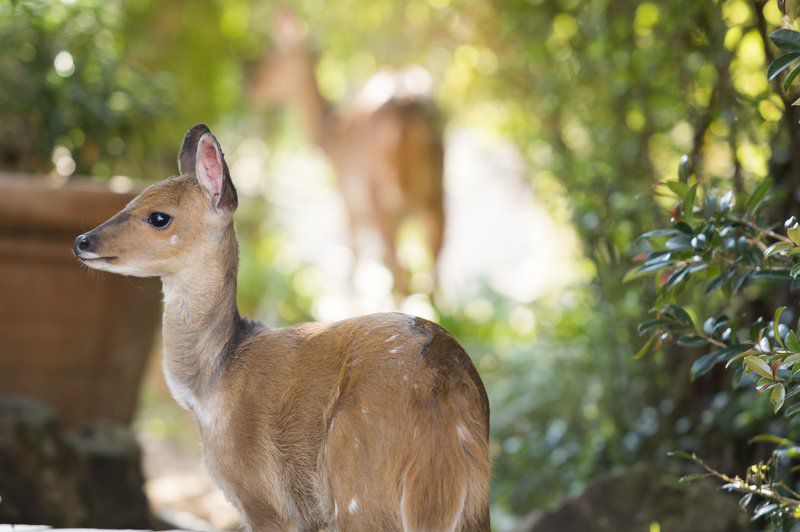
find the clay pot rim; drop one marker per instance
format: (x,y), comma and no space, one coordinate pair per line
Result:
(36,203)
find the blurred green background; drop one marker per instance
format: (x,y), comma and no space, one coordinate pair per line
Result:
(584,104)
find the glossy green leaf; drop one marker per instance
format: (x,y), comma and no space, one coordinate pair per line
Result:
(792,410)
(677,277)
(777,397)
(791,359)
(773,275)
(655,266)
(692,341)
(793,392)
(702,365)
(688,479)
(740,355)
(758,195)
(661,232)
(678,187)
(689,201)
(705,363)
(771,438)
(679,313)
(786,39)
(758,366)
(791,342)
(776,320)
(763,509)
(649,325)
(790,77)
(718,281)
(777,247)
(781,63)
(682,454)
(793,232)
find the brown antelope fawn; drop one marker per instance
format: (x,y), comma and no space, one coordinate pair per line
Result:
(385,146)
(372,423)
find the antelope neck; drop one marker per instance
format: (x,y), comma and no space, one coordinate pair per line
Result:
(201,320)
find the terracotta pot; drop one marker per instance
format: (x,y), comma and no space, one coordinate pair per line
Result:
(74,338)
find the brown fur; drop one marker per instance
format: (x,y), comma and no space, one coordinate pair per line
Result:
(388,154)
(373,423)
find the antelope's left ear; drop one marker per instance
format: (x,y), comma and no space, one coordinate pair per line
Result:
(212,174)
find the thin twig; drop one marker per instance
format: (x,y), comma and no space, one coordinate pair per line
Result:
(767,232)
(790,490)
(751,488)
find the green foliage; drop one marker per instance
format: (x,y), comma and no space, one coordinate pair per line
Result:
(721,257)
(602,104)
(67,83)
(724,248)
(788,41)
(763,487)
(601,97)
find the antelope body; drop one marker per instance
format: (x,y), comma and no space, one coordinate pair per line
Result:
(372,423)
(385,145)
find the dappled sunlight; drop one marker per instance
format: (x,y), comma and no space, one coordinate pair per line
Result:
(497,233)
(620,194)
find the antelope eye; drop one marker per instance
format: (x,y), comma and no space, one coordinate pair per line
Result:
(159,219)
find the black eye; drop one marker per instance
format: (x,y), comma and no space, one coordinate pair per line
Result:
(159,219)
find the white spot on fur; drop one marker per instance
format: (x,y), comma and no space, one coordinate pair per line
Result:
(353,506)
(405,377)
(403,510)
(394,350)
(462,433)
(335,510)
(174,240)
(460,512)
(392,337)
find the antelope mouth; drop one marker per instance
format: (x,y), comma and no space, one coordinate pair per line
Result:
(95,258)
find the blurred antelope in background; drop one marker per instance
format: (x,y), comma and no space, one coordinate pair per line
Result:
(373,423)
(385,145)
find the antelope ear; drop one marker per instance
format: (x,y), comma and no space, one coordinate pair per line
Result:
(212,174)
(188,153)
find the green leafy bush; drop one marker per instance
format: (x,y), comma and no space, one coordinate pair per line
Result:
(66,83)
(718,270)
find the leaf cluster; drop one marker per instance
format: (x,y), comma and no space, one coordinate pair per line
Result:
(788,42)
(723,248)
(763,486)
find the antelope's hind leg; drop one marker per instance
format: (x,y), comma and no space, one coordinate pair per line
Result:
(364,498)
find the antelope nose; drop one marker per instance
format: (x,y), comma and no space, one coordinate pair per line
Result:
(83,243)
